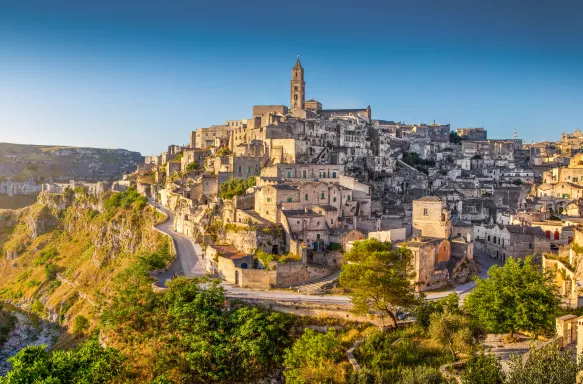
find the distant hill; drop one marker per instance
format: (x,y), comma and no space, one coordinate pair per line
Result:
(23,168)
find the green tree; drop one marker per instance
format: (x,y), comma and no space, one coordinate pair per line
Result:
(80,325)
(90,363)
(192,166)
(421,374)
(455,138)
(234,187)
(223,151)
(379,277)
(515,296)
(547,365)
(452,331)
(314,358)
(222,344)
(425,309)
(483,369)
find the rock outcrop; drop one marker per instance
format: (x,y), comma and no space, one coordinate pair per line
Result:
(23,168)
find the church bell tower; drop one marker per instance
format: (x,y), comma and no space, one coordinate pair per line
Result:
(297,87)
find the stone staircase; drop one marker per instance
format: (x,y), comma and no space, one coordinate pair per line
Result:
(316,287)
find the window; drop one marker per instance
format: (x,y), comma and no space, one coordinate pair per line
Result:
(334,199)
(239,169)
(425,212)
(304,173)
(331,221)
(348,197)
(298,221)
(333,175)
(488,237)
(306,197)
(268,199)
(289,199)
(322,196)
(248,169)
(288,173)
(318,236)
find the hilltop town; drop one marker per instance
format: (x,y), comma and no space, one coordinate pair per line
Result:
(274,200)
(273,203)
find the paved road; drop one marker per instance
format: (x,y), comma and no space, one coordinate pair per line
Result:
(463,290)
(187,263)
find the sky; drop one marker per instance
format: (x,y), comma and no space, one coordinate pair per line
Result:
(142,75)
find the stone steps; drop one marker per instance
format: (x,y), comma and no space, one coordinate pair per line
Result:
(316,286)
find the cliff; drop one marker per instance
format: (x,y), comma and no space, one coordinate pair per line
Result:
(23,168)
(60,256)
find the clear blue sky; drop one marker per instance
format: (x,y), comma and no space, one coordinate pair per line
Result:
(141,75)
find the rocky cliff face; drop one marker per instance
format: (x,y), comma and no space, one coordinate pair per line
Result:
(23,168)
(59,258)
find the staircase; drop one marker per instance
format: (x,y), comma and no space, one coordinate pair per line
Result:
(316,287)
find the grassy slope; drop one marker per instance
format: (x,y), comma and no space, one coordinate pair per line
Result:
(71,248)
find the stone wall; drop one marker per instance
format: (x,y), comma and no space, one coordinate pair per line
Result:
(257,278)
(295,273)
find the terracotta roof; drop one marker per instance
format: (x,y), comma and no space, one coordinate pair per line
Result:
(229,252)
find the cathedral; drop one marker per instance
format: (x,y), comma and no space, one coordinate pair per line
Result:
(299,107)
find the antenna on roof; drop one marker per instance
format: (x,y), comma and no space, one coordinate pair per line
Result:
(515,134)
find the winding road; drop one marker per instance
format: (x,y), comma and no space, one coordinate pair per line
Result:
(189,262)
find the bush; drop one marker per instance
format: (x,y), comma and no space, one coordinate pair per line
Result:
(124,200)
(51,272)
(315,358)
(45,256)
(234,187)
(194,166)
(483,369)
(80,325)
(421,374)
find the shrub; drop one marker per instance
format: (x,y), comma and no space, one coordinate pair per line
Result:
(234,187)
(80,325)
(51,272)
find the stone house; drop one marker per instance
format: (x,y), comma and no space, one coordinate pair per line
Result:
(322,172)
(518,241)
(462,247)
(306,227)
(430,257)
(431,218)
(224,260)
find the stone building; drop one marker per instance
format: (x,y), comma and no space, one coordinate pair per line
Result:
(430,258)
(472,133)
(431,218)
(304,171)
(297,98)
(518,241)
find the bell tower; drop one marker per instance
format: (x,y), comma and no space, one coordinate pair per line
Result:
(297,87)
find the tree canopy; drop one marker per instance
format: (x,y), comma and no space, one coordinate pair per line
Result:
(452,331)
(516,296)
(314,358)
(546,365)
(379,277)
(234,187)
(89,364)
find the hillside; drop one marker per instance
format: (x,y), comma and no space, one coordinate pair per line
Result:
(60,255)
(23,168)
